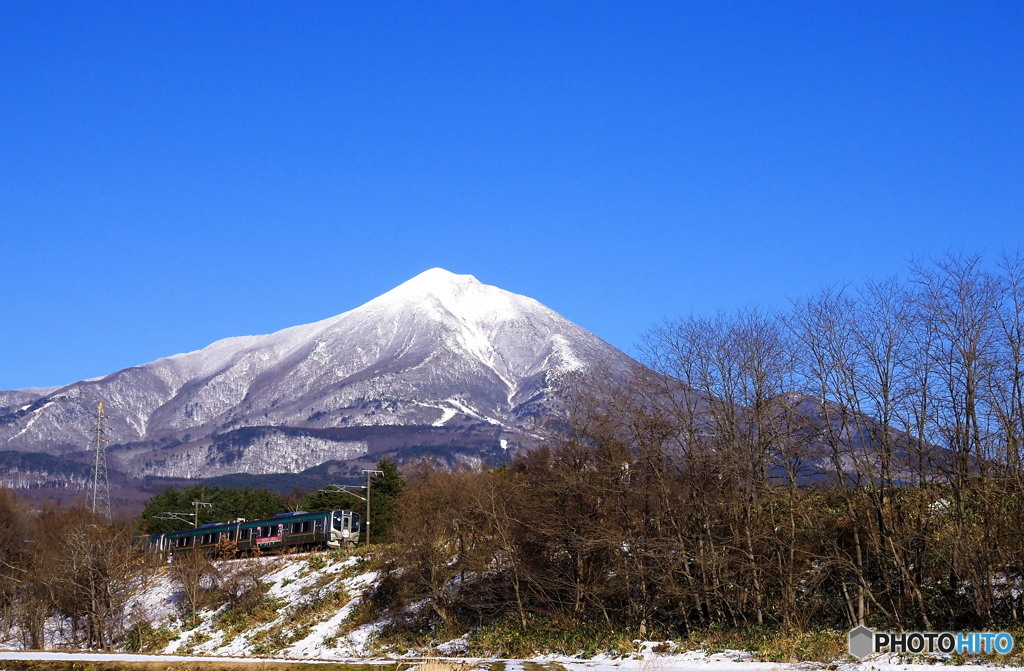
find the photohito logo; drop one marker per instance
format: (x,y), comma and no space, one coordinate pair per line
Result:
(863,642)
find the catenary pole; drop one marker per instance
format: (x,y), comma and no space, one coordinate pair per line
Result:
(368,474)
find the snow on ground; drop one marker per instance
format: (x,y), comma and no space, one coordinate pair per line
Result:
(447,413)
(309,601)
(158,601)
(26,655)
(690,661)
(738,661)
(314,596)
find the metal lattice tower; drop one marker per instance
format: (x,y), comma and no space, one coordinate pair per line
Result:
(99,497)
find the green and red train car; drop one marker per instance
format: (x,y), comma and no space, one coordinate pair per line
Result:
(299,530)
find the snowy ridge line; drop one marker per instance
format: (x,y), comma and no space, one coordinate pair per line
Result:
(398,360)
(28,424)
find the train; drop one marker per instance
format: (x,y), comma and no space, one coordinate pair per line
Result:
(299,530)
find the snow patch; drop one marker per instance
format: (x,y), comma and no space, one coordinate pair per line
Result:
(471,412)
(448,414)
(28,425)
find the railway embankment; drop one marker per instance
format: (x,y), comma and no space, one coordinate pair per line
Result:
(298,606)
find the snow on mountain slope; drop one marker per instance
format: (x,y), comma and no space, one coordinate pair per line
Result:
(440,350)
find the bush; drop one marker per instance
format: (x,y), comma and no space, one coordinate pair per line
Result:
(143,637)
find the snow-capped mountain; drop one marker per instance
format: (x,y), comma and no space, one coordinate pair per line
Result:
(441,360)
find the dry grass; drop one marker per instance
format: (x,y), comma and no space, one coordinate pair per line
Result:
(440,665)
(213,665)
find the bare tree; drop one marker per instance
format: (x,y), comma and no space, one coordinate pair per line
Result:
(195,574)
(856,460)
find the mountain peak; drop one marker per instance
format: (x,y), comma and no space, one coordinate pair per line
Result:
(440,275)
(437,280)
(439,291)
(435,357)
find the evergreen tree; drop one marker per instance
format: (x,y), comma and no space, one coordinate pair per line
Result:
(227,504)
(384,490)
(327,499)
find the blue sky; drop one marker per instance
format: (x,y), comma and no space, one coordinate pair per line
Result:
(175,173)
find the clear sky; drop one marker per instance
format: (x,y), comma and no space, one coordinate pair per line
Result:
(172,173)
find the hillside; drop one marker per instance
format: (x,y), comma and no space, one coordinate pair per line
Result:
(315,607)
(303,606)
(442,365)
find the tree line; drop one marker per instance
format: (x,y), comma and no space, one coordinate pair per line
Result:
(69,576)
(855,459)
(70,563)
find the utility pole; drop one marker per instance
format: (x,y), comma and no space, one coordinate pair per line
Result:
(368,474)
(99,497)
(181,516)
(195,515)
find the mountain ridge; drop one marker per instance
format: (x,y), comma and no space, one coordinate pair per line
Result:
(440,350)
